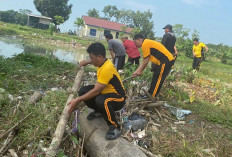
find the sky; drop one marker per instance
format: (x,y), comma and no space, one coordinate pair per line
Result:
(211,18)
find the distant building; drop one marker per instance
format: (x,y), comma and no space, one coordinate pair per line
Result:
(97,28)
(38,21)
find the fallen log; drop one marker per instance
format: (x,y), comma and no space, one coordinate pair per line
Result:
(97,146)
(58,135)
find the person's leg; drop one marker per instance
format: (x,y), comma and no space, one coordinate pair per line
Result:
(90,103)
(107,104)
(194,62)
(157,75)
(136,60)
(198,62)
(116,62)
(167,68)
(130,60)
(121,62)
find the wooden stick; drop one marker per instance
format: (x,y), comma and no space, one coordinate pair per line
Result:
(13,153)
(58,135)
(153,100)
(5,133)
(82,146)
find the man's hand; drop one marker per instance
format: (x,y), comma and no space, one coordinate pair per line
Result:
(137,73)
(73,104)
(85,62)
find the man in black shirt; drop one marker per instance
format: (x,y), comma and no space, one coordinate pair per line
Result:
(169,40)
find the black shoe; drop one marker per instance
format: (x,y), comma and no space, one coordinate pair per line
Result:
(113,133)
(93,115)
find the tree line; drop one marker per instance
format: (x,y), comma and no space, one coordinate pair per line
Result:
(59,11)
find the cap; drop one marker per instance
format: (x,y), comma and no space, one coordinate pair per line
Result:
(168,26)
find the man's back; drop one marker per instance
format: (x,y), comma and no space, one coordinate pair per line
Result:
(117,47)
(169,41)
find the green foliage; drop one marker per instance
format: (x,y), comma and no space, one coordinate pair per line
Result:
(52,28)
(180,31)
(52,8)
(59,20)
(93,13)
(11,16)
(135,19)
(79,22)
(110,11)
(29,68)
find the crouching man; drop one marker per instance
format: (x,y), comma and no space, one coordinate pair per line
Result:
(107,95)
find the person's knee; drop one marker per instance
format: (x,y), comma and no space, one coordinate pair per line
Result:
(85,89)
(100,102)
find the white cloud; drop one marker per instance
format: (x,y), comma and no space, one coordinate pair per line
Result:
(200,3)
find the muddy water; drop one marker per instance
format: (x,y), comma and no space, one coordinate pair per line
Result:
(10,46)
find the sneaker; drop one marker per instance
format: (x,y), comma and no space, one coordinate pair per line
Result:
(93,115)
(113,133)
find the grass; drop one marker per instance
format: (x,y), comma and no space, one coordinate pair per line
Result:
(21,76)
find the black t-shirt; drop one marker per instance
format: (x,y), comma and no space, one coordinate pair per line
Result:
(169,41)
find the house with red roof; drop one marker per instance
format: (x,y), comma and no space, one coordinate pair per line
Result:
(95,27)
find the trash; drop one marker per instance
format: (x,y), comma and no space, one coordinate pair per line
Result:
(75,123)
(141,134)
(180,122)
(179,113)
(135,122)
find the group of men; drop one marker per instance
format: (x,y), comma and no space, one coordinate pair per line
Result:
(108,94)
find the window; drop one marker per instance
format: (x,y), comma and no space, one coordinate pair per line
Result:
(106,32)
(117,34)
(93,32)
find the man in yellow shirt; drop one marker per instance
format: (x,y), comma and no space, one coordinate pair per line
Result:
(156,53)
(107,95)
(197,53)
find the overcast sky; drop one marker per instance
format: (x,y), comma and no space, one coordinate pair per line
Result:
(212,18)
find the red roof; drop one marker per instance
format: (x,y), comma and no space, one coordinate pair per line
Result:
(92,21)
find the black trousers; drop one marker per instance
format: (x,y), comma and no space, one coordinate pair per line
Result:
(159,75)
(119,62)
(106,104)
(196,62)
(134,60)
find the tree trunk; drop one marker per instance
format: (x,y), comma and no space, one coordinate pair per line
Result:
(97,146)
(58,135)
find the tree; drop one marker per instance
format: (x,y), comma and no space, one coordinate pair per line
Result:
(93,13)
(25,11)
(180,31)
(52,8)
(195,34)
(11,16)
(58,19)
(110,11)
(79,22)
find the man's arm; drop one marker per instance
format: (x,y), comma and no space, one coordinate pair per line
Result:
(176,52)
(85,62)
(91,94)
(140,69)
(112,54)
(206,48)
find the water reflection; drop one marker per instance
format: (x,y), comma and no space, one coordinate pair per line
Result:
(10,47)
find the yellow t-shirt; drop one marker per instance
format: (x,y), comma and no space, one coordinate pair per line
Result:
(197,49)
(108,75)
(159,54)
